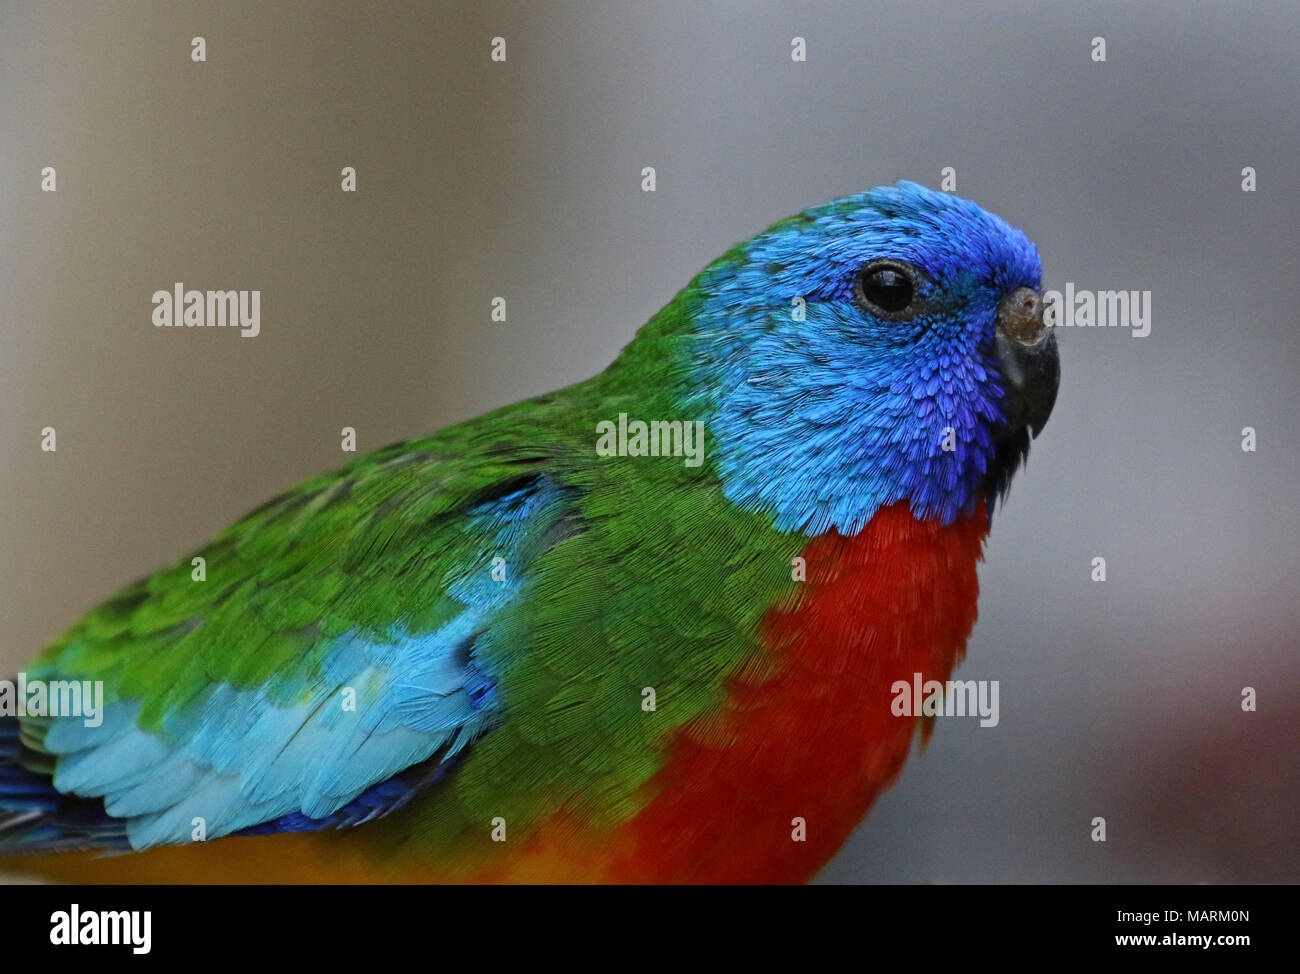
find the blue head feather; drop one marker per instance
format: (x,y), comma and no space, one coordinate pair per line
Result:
(820,422)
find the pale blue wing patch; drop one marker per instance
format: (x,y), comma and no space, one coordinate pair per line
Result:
(238,760)
(264,759)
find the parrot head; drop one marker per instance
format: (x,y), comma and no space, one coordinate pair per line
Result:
(884,347)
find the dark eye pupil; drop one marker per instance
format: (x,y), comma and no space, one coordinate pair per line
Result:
(887,289)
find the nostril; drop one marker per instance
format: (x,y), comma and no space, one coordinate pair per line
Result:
(1020,315)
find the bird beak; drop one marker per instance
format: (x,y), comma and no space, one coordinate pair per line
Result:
(1026,351)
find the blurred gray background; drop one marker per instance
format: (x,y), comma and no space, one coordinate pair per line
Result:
(522,179)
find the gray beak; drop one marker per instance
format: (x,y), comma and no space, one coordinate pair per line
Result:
(1026,351)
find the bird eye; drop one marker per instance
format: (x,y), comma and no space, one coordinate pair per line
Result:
(886,288)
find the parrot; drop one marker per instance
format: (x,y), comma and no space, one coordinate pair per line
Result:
(644,629)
